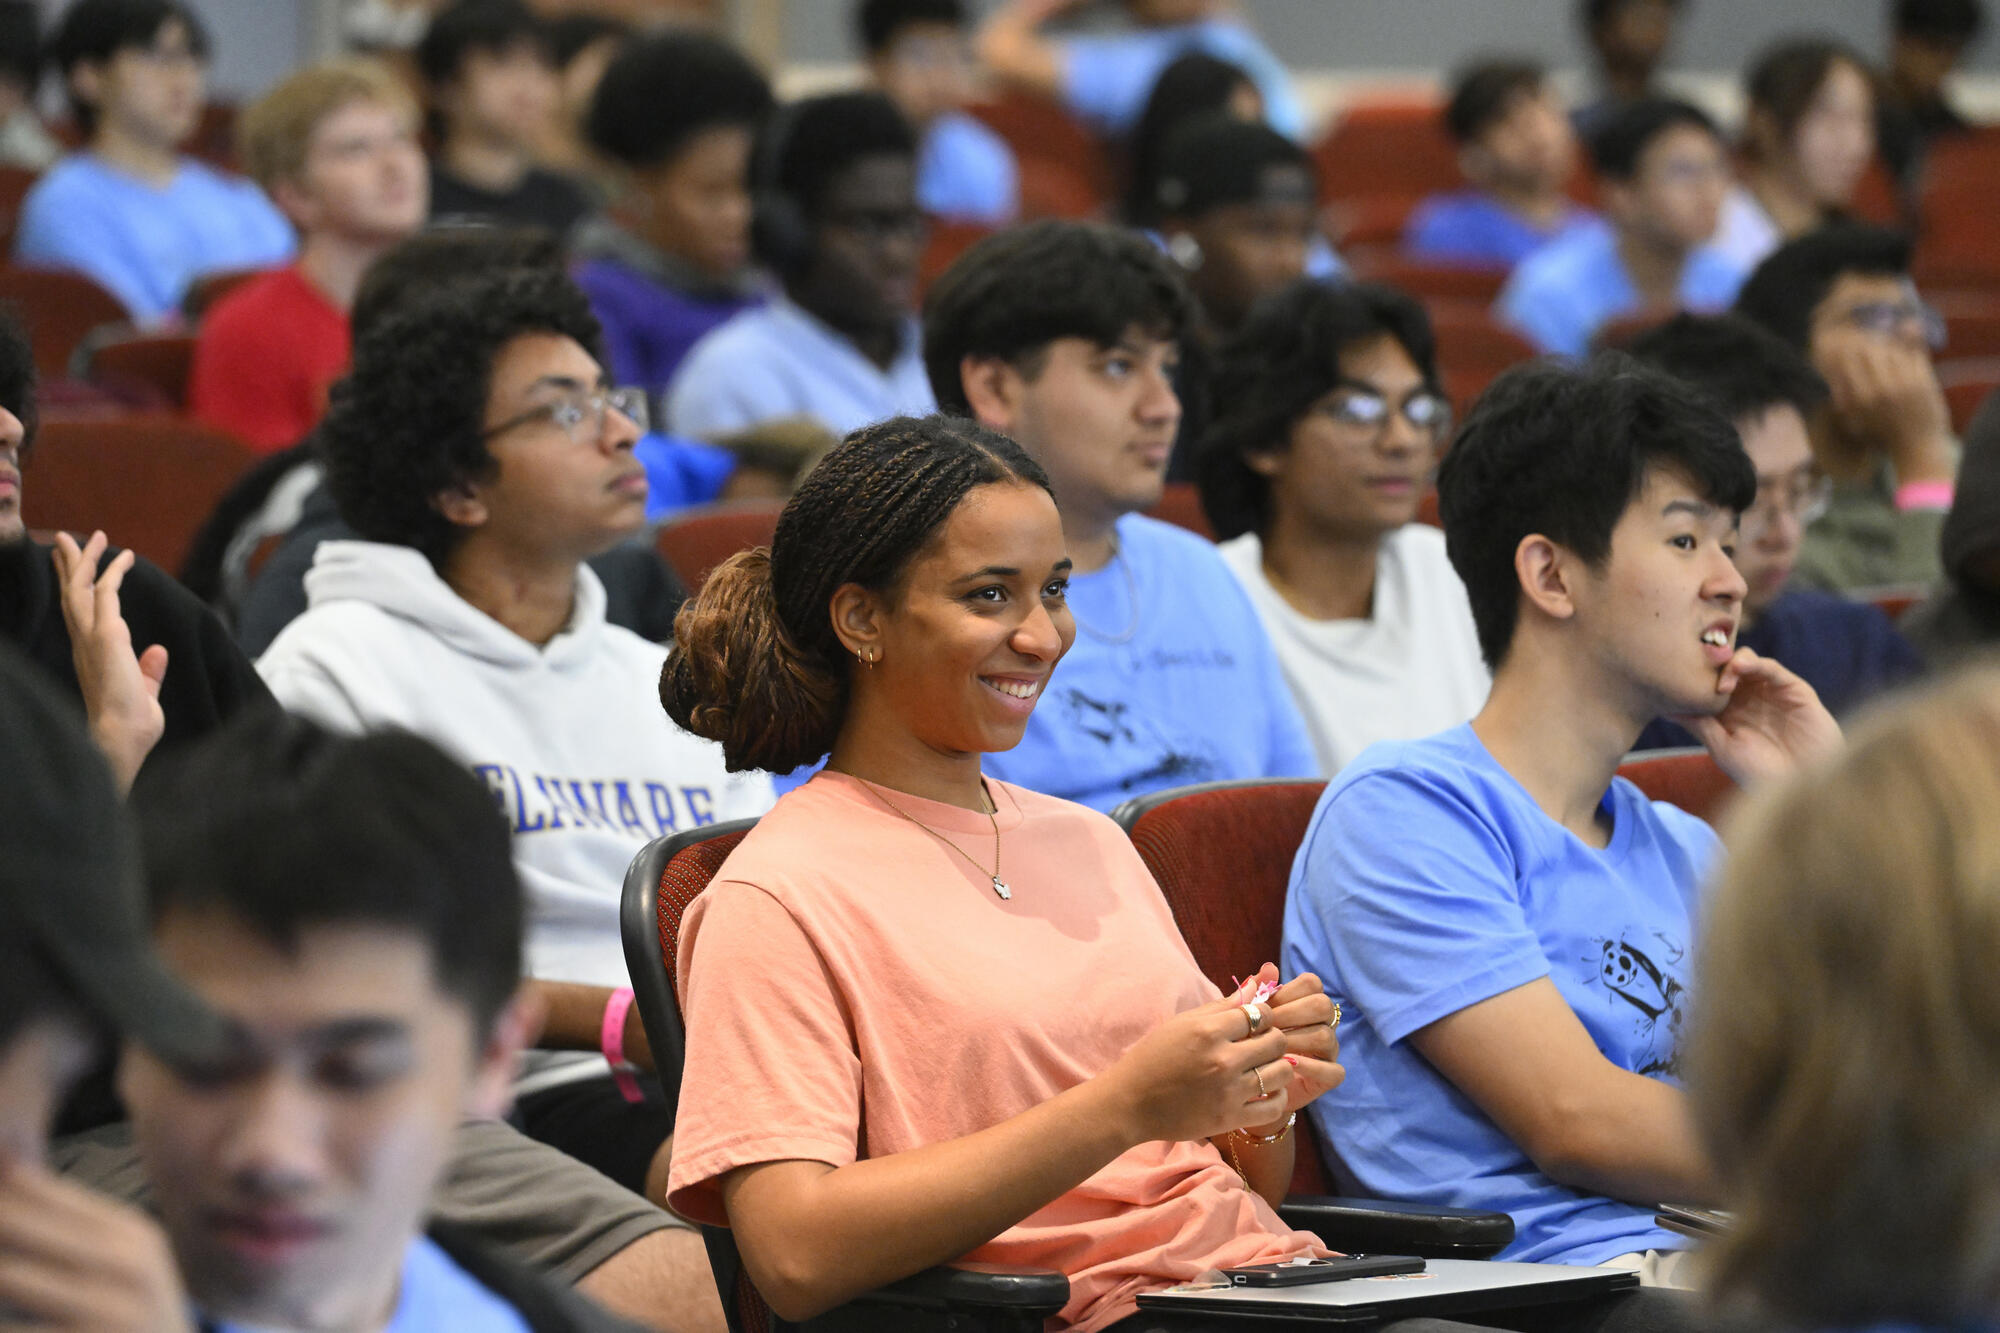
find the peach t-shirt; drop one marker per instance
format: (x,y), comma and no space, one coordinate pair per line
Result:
(863,990)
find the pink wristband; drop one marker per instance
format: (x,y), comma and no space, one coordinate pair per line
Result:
(611,1040)
(1924,495)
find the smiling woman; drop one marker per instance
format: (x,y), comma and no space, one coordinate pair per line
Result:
(905,622)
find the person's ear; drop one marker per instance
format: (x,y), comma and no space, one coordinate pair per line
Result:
(1546,572)
(497,1062)
(993,389)
(1266,463)
(86,82)
(857,622)
(462,506)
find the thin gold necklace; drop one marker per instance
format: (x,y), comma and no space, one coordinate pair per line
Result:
(992,816)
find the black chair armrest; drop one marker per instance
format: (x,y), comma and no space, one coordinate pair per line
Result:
(991,1297)
(980,1286)
(1377,1226)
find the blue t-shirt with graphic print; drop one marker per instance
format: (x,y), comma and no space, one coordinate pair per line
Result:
(1429,880)
(1182,686)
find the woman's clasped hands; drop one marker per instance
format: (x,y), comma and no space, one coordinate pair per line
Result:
(1233,1063)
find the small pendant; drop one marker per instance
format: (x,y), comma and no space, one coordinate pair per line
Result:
(1000,887)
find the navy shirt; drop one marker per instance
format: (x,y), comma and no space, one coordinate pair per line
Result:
(1846,650)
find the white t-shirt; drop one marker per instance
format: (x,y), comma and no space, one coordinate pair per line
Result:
(1412,668)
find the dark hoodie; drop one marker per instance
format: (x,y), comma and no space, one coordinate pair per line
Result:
(1963,616)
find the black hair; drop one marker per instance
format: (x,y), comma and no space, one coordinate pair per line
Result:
(661,90)
(1945,22)
(32,988)
(1783,291)
(1014,293)
(1563,450)
(1215,159)
(94,31)
(1483,94)
(407,422)
(417,265)
(570,35)
(811,142)
(1785,77)
(286,826)
(756,665)
(477,25)
(21,44)
(1615,149)
(1285,358)
(17,376)
(877,23)
(1743,368)
(1193,85)
(1596,13)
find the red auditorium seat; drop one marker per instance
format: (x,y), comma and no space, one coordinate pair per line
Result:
(1181,506)
(697,541)
(1472,350)
(1430,282)
(147,480)
(1958,237)
(1690,779)
(1967,382)
(1064,170)
(1387,146)
(59,309)
(150,370)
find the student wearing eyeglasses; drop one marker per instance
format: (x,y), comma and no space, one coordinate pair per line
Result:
(1328,426)
(1845,649)
(481,455)
(1842,295)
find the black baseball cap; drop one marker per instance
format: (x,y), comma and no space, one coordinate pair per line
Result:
(69,877)
(1215,159)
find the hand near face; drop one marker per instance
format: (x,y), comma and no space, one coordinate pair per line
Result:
(1772,723)
(73,1260)
(1887,393)
(121,688)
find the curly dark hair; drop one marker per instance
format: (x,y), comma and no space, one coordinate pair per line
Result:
(661,90)
(1268,375)
(756,665)
(406,423)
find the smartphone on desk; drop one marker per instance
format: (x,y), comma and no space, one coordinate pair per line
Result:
(1298,1272)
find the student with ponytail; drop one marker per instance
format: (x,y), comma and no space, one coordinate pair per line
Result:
(932,1015)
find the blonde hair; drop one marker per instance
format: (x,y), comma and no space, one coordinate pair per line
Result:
(1844,1060)
(277,129)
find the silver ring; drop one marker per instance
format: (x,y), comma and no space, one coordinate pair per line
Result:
(1256,1017)
(1262,1091)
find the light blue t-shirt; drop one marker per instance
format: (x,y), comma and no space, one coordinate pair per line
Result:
(776,360)
(435,1294)
(1194,695)
(1467,227)
(967,173)
(1570,288)
(146,243)
(1107,77)
(1429,880)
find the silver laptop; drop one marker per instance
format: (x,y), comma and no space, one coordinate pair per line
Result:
(1445,1287)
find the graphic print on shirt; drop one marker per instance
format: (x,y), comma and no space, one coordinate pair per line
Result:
(540,802)
(1631,976)
(1159,762)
